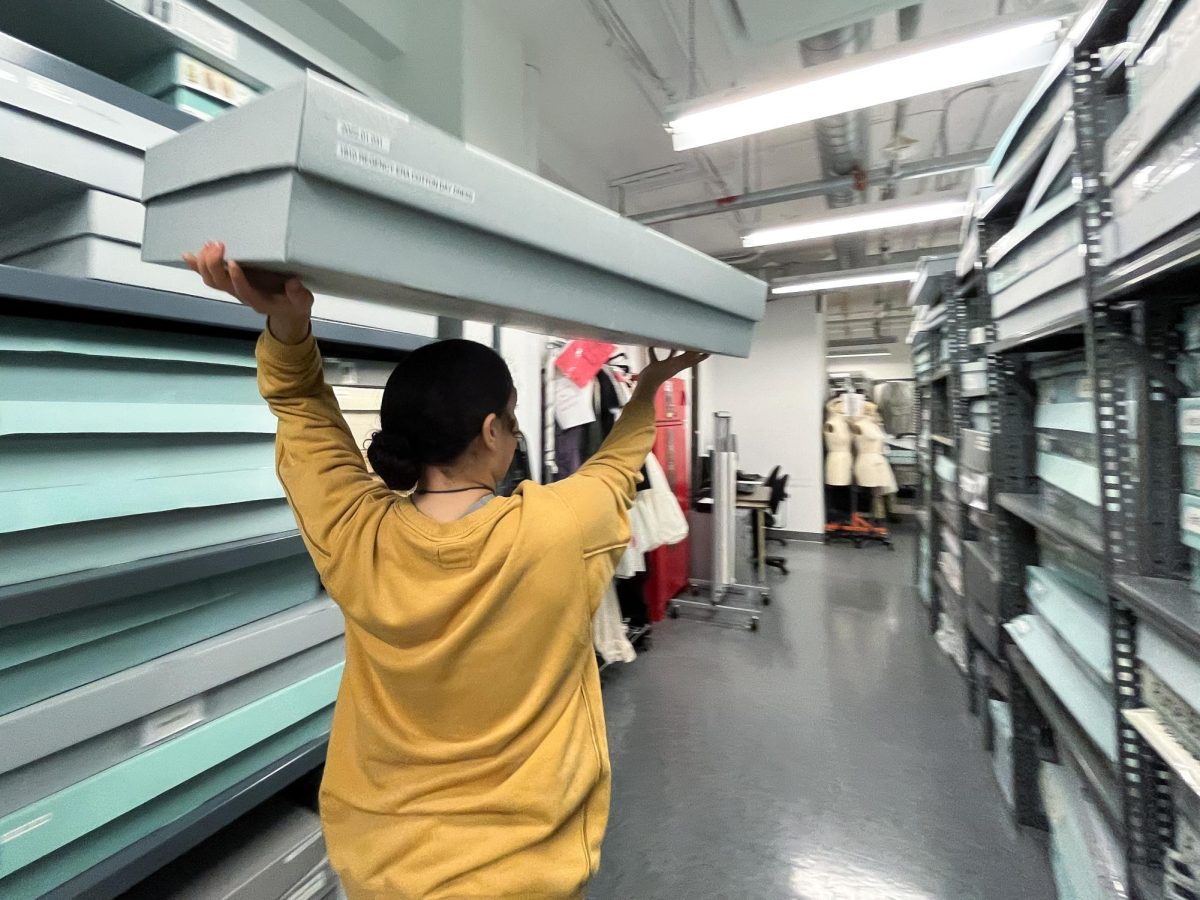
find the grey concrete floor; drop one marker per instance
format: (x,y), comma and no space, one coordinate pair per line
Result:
(830,756)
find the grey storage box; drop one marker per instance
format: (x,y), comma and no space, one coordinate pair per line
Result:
(269,852)
(973,379)
(363,201)
(67,125)
(99,235)
(65,739)
(981,582)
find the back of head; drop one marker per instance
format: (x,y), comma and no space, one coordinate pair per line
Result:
(434,407)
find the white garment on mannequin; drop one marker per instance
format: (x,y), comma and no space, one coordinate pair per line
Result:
(839,460)
(871,468)
(838,406)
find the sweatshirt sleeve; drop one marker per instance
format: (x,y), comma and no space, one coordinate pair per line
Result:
(602,491)
(338,504)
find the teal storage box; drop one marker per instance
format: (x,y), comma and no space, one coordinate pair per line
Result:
(178,70)
(1079,621)
(981,415)
(1002,735)
(1086,696)
(193,102)
(45,657)
(1072,564)
(1189,421)
(1087,860)
(53,870)
(1189,520)
(1190,459)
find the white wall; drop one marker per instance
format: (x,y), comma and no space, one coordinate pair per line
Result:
(897,364)
(776,400)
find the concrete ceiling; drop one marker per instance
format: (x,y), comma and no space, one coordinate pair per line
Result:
(603,107)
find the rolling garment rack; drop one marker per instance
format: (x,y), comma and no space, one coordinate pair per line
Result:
(723,584)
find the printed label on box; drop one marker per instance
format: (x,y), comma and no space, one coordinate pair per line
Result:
(1191,519)
(171,721)
(424,180)
(372,140)
(1189,422)
(201,28)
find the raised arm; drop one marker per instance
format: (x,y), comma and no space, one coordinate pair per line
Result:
(603,489)
(337,503)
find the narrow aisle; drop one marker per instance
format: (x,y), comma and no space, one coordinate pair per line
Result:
(828,757)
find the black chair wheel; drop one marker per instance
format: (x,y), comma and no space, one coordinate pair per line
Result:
(753,626)
(766,599)
(673,611)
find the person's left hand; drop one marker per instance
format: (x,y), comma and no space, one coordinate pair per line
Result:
(660,370)
(284,300)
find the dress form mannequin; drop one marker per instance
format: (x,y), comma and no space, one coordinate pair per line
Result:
(839,461)
(838,406)
(871,468)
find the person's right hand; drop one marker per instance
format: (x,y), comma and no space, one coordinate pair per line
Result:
(659,371)
(284,300)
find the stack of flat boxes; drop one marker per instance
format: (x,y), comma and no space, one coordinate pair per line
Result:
(1067,466)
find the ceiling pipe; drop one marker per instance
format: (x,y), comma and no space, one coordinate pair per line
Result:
(842,140)
(925,168)
(908,22)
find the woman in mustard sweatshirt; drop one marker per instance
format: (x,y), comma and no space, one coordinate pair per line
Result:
(468,756)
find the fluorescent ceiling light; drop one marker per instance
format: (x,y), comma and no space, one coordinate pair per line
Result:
(854,219)
(846,281)
(896,73)
(852,355)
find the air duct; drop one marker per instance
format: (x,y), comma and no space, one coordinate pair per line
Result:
(842,140)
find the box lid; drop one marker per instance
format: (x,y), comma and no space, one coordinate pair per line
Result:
(322,129)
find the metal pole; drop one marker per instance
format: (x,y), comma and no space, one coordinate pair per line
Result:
(928,168)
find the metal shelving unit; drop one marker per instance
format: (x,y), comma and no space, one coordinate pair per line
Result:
(1128,335)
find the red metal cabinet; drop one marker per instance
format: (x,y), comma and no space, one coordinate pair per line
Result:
(670,566)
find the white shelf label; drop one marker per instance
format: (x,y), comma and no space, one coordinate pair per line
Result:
(171,721)
(1189,422)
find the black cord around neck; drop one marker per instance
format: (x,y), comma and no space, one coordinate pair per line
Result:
(461,490)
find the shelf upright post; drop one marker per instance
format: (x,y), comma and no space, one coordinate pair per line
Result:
(1146,805)
(1011,400)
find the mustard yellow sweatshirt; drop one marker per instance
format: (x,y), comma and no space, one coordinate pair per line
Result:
(468,756)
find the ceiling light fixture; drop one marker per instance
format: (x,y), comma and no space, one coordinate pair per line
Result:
(852,355)
(847,280)
(896,73)
(855,219)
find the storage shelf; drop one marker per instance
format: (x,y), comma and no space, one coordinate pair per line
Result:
(1032,509)
(947,511)
(941,373)
(1016,173)
(945,588)
(121,871)
(942,439)
(1184,767)
(117,38)
(1070,738)
(109,298)
(1061,334)
(79,590)
(114,93)
(922,518)
(1173,254)
(1169,604)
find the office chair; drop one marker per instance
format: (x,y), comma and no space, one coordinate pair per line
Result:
(778,494)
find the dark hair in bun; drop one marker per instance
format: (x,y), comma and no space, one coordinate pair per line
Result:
(434,406)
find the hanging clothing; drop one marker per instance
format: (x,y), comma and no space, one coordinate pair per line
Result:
(568,450)
(572,403)
(871,467)
(608,630)
(839,460)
